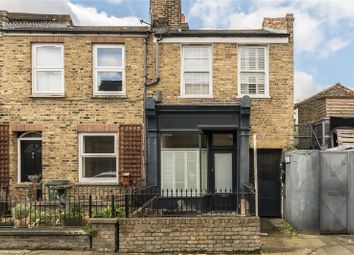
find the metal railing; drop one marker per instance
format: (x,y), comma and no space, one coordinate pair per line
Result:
(189,202)
(137,202)
(71,211)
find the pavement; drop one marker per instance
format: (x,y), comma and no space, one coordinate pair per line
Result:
(281,238)
(277,238)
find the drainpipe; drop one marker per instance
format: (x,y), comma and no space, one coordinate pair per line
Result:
(146,84)
(157,54)
(144,114)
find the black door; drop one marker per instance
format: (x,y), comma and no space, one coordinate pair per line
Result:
(269,185)
(31,158)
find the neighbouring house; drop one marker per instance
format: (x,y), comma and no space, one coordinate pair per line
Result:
(71,101)
(78,102)
(326,119)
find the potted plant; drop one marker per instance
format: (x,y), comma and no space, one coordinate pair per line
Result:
(20,214)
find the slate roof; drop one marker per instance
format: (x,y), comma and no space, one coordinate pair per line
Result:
(56,23)
(59,23)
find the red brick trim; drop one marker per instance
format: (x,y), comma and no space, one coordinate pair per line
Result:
(4,156)
(47,39)
(97,128)
(107,39)
(22,127)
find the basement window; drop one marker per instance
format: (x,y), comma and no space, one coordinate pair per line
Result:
(98,157)
(47,69)
(253,71)
(108,70)
(196,71)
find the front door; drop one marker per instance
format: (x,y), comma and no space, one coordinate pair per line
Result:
(222,163)
(222,171)
(30,159)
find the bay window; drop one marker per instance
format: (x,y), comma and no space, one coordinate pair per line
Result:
(98,157)
(47,69)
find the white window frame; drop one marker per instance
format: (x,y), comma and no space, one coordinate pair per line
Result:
(182,85)
(266,72)
(97,68)
(83,155)
(36,69)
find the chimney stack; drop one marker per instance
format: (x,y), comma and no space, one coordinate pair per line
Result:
(281,24)
(167,14)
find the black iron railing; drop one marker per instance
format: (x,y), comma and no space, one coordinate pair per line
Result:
(133,202)
(181,202)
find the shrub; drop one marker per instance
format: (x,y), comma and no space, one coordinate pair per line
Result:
(106,212)
(20,211)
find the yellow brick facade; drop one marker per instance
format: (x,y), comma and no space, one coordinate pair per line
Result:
(60,119)
(271,118)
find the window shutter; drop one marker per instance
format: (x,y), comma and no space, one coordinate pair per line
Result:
(180,165)
(130,151)
(192,159)
(4,156)
(167,170)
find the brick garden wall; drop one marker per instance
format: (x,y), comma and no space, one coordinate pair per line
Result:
(44,239)
(190,234)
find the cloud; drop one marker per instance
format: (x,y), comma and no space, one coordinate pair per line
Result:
(320,26)
(115,1)
(90,16)
(211,11)
(334,45)
(305,86)
(81,15)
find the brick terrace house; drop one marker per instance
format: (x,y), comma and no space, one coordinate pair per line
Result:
(332,124)
(72,102)
(213,90)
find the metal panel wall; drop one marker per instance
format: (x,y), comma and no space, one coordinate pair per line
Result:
(320,191)
(334,192)
(302,190)
(351,193)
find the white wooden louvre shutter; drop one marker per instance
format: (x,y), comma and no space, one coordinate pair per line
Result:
(167,170)
(252,75)
(192,170)
(179,171)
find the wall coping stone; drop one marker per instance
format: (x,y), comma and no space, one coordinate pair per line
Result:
(104,220)
(42,232)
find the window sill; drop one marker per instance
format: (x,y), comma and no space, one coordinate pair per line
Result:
(109,97)
(46,96)
(195,97)
(255,96)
